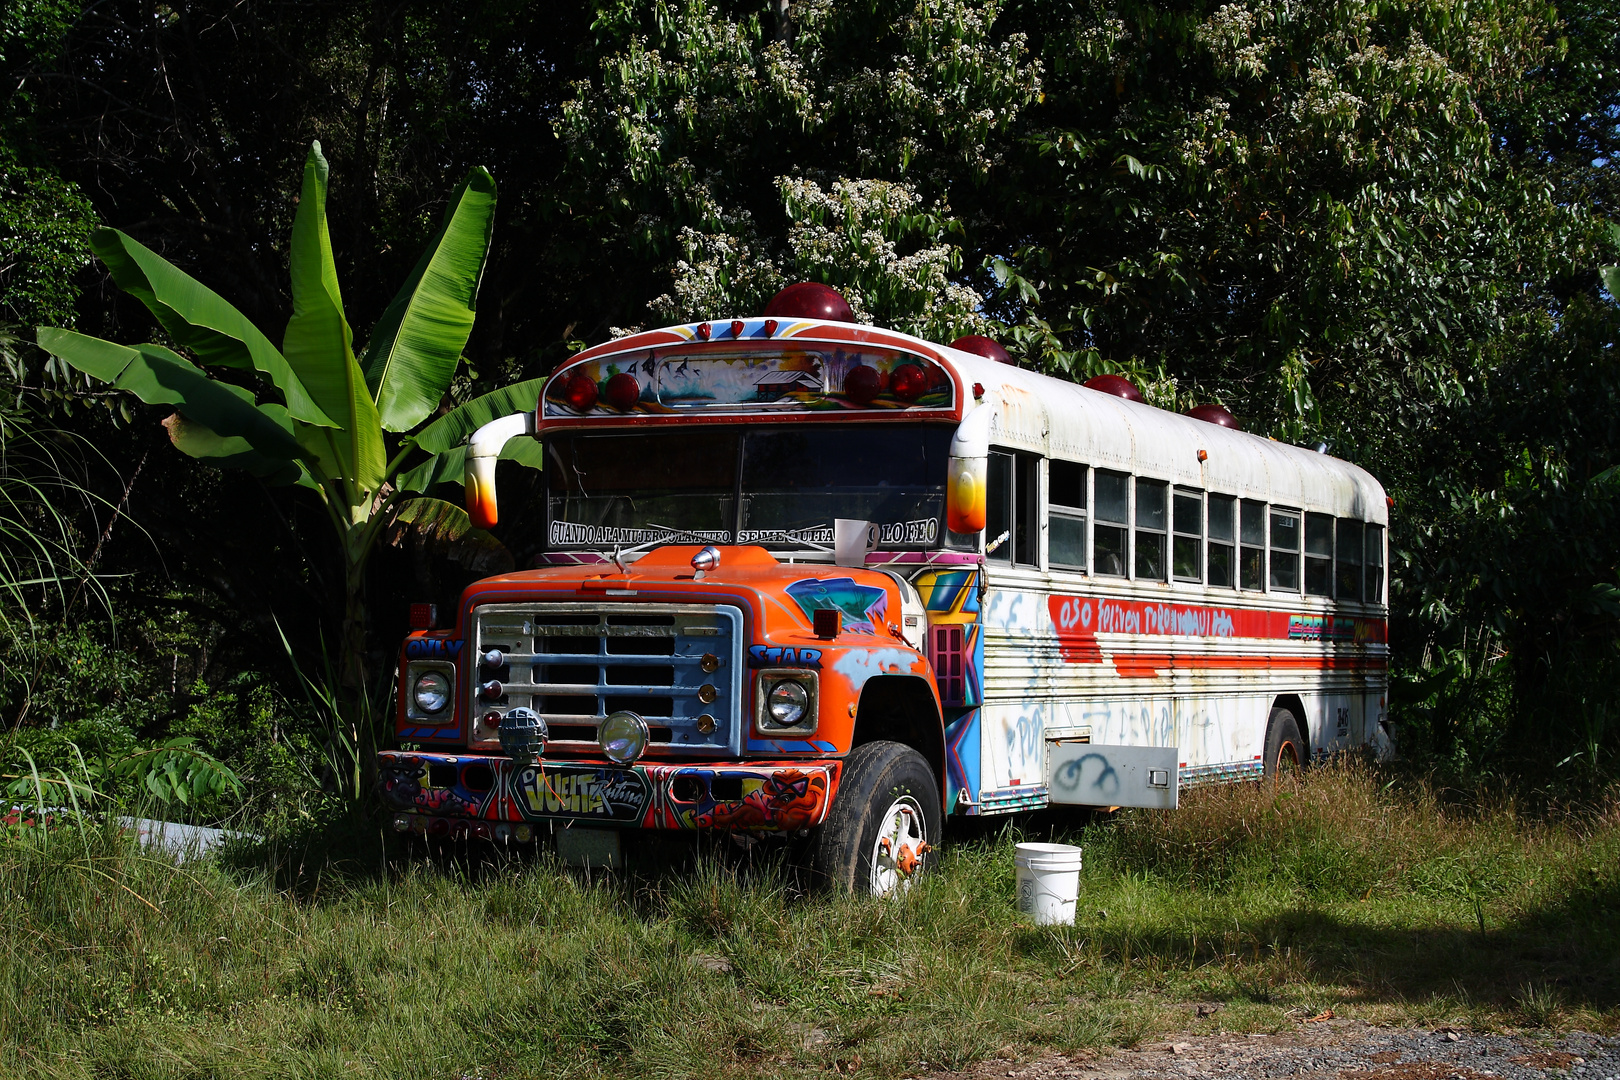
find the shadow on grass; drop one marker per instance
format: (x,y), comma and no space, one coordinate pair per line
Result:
(1565,954)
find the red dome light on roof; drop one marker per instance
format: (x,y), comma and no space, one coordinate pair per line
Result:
(622,391)
(580,392)
(1214,414)
(1117,385)
(863,384)
(979,345)
(810,300)
(908,381)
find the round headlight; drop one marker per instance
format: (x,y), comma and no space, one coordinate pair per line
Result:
(431,692)
(785,704)
(623,737)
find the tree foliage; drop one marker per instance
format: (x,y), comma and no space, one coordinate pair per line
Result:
(1375,225)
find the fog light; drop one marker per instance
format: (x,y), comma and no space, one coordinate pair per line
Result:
(623,737)
(523,735)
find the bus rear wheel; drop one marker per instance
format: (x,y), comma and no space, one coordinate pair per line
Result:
(1285,747)
(884,822)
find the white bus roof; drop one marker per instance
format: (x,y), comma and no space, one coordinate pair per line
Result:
(1064,420)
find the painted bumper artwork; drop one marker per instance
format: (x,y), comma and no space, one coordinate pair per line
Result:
(466,793)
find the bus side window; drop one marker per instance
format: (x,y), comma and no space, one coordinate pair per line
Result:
(1012,488)
(1348,574)
(1375,564)
(998,482)
(1222,537)
(1252,561)
(1319,554)
(1109,542)
(1066,516)
(1285,550)
(1150,529)
(1187,519)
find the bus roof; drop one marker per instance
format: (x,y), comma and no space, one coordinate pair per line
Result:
(1063,420)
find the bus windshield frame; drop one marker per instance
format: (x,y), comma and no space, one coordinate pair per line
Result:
(746,483)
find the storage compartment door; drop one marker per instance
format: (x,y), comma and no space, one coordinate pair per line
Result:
(1093,774)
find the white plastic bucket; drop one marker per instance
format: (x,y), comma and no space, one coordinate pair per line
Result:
(1048,882)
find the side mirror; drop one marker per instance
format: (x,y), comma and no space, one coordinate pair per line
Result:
(483,449)
(966,505)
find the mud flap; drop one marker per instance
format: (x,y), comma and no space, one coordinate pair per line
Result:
(1091,774)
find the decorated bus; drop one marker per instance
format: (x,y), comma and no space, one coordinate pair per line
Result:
(813,578)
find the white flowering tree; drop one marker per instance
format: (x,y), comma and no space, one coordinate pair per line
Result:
(874,240)
(684,133)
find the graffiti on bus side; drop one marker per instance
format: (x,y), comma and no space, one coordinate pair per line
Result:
(1077,620)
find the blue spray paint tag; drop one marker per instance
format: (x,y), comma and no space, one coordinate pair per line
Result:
(436,648)
(776,656)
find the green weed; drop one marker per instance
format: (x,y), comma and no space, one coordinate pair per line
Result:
(1341,891)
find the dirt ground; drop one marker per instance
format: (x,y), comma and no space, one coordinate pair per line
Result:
(1331,1049)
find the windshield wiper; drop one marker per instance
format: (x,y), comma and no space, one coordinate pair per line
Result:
(781,534)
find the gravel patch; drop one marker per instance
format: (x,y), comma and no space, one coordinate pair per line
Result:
(1329,1049)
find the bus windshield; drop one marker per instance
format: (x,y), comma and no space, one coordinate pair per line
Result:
(747,484)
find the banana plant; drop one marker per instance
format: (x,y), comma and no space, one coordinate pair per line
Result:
(354,428)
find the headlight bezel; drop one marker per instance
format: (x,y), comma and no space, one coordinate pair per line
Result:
(444,715)
(765,683)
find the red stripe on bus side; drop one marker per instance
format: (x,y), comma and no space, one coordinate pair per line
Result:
(1148,666)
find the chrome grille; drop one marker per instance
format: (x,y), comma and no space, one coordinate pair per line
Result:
(576,663)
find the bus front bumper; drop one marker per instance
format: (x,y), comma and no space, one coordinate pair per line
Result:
(491,797)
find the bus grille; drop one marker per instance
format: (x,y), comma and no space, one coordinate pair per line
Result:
(576,663)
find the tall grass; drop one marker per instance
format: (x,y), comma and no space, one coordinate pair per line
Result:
(1343,891)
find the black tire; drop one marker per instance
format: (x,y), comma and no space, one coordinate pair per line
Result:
(887,791)
(1286,751)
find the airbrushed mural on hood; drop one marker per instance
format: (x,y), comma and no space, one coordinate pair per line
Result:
(863,606)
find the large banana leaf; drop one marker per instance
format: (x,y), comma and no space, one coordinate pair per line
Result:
(451,465)
(446,437)
(413,352)
(200,319)
(454,427)
(160,377)
(447,530)
(234,452)
(319,346)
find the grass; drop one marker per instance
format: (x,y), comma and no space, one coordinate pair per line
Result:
(1343,892)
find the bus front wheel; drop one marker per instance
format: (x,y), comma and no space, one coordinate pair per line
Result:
(884,822)
(1285,747)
